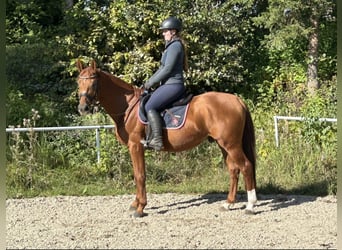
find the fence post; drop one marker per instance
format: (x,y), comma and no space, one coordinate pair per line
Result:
(276,133)
(290,118)
(96,127)
(98,145)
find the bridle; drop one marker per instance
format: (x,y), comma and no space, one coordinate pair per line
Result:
(93,99)
(94,86)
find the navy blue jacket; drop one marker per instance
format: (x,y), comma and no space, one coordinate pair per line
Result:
(171,68)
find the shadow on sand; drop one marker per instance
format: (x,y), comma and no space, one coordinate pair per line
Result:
(270,198)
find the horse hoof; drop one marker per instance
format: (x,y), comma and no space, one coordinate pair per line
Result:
(226,207)
(249,212)
(132,208)
(138,215)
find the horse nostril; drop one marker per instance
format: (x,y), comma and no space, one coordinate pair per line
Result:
(83,109)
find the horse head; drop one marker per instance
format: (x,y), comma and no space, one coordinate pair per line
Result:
(87,87)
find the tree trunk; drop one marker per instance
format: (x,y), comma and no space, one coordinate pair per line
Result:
(69,4)
(312,73)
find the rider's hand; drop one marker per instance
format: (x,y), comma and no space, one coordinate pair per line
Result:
(145,92)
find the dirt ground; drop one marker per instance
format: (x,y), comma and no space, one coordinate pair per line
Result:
(173,221)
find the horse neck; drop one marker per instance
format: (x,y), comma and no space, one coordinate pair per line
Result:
(116,96)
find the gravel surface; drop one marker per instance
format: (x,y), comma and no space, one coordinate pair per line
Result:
(173,221)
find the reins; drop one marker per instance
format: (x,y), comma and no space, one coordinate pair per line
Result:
(128,111)
(130,108)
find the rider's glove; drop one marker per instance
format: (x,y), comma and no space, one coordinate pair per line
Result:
(145,92)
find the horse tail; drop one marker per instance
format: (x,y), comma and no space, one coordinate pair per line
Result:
(248,141)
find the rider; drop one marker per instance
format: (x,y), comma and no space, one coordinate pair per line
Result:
(168,79)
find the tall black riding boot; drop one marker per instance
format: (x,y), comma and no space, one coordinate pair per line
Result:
(155,122)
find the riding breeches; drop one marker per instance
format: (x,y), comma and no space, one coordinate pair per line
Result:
(164,95)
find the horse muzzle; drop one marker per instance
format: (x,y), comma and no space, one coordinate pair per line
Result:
(83,109)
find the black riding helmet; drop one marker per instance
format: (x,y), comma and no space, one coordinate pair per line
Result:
(171,23)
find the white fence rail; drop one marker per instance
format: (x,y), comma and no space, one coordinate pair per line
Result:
(96,127)
(293,118)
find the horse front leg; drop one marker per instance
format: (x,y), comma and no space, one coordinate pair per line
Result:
(138,161)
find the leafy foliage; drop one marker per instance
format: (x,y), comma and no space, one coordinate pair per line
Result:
(257,49)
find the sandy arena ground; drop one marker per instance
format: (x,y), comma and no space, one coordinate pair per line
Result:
(173,221)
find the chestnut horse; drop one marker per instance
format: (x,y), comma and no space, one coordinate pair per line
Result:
(219,116)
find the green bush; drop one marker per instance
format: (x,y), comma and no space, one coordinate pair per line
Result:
(37,79)
(66,163)
(245,47)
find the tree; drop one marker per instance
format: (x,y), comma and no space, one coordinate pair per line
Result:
(233,46)
(321,11)
(294,29)
(32,21)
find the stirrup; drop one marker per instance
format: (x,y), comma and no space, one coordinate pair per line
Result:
(155,144)
(144,142)
(147,145)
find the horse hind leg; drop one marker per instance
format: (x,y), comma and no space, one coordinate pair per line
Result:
(233,182)
(237,162)
(247,171)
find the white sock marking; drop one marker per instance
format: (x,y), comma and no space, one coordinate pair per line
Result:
(252,199)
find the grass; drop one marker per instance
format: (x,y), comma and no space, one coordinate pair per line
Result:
(66,165)
(282,170)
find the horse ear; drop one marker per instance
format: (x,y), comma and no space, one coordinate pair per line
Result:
(79,65)
(93,65)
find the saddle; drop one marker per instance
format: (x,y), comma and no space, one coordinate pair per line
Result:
(173,116)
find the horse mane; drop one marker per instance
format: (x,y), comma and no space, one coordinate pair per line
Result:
(119,81)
